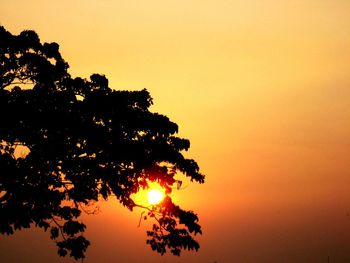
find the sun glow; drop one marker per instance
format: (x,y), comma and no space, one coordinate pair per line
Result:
(155,196)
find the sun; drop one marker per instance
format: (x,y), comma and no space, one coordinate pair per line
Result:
(151,195)
(155,196)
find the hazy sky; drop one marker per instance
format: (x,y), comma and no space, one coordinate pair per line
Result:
(262,90)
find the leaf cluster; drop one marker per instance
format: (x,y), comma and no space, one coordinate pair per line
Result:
(174,229)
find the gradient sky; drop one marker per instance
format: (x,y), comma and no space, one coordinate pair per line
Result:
(262,90)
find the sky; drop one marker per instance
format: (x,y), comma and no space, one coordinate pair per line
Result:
(261,89)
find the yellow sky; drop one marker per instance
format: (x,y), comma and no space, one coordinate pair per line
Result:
(262,90)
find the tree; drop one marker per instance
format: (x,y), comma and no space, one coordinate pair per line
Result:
(84,142)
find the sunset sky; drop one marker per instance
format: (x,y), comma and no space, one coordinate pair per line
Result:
(262,90)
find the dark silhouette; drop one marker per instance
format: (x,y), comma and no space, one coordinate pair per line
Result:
(82,141)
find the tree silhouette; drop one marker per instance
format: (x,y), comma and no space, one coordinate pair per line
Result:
(83,142)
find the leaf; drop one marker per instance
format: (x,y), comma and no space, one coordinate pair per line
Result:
(54,232)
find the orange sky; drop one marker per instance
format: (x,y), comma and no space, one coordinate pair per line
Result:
(262,90)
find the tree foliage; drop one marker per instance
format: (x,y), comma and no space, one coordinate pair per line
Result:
(84,142)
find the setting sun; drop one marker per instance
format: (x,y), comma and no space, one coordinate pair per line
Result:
(155,196)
